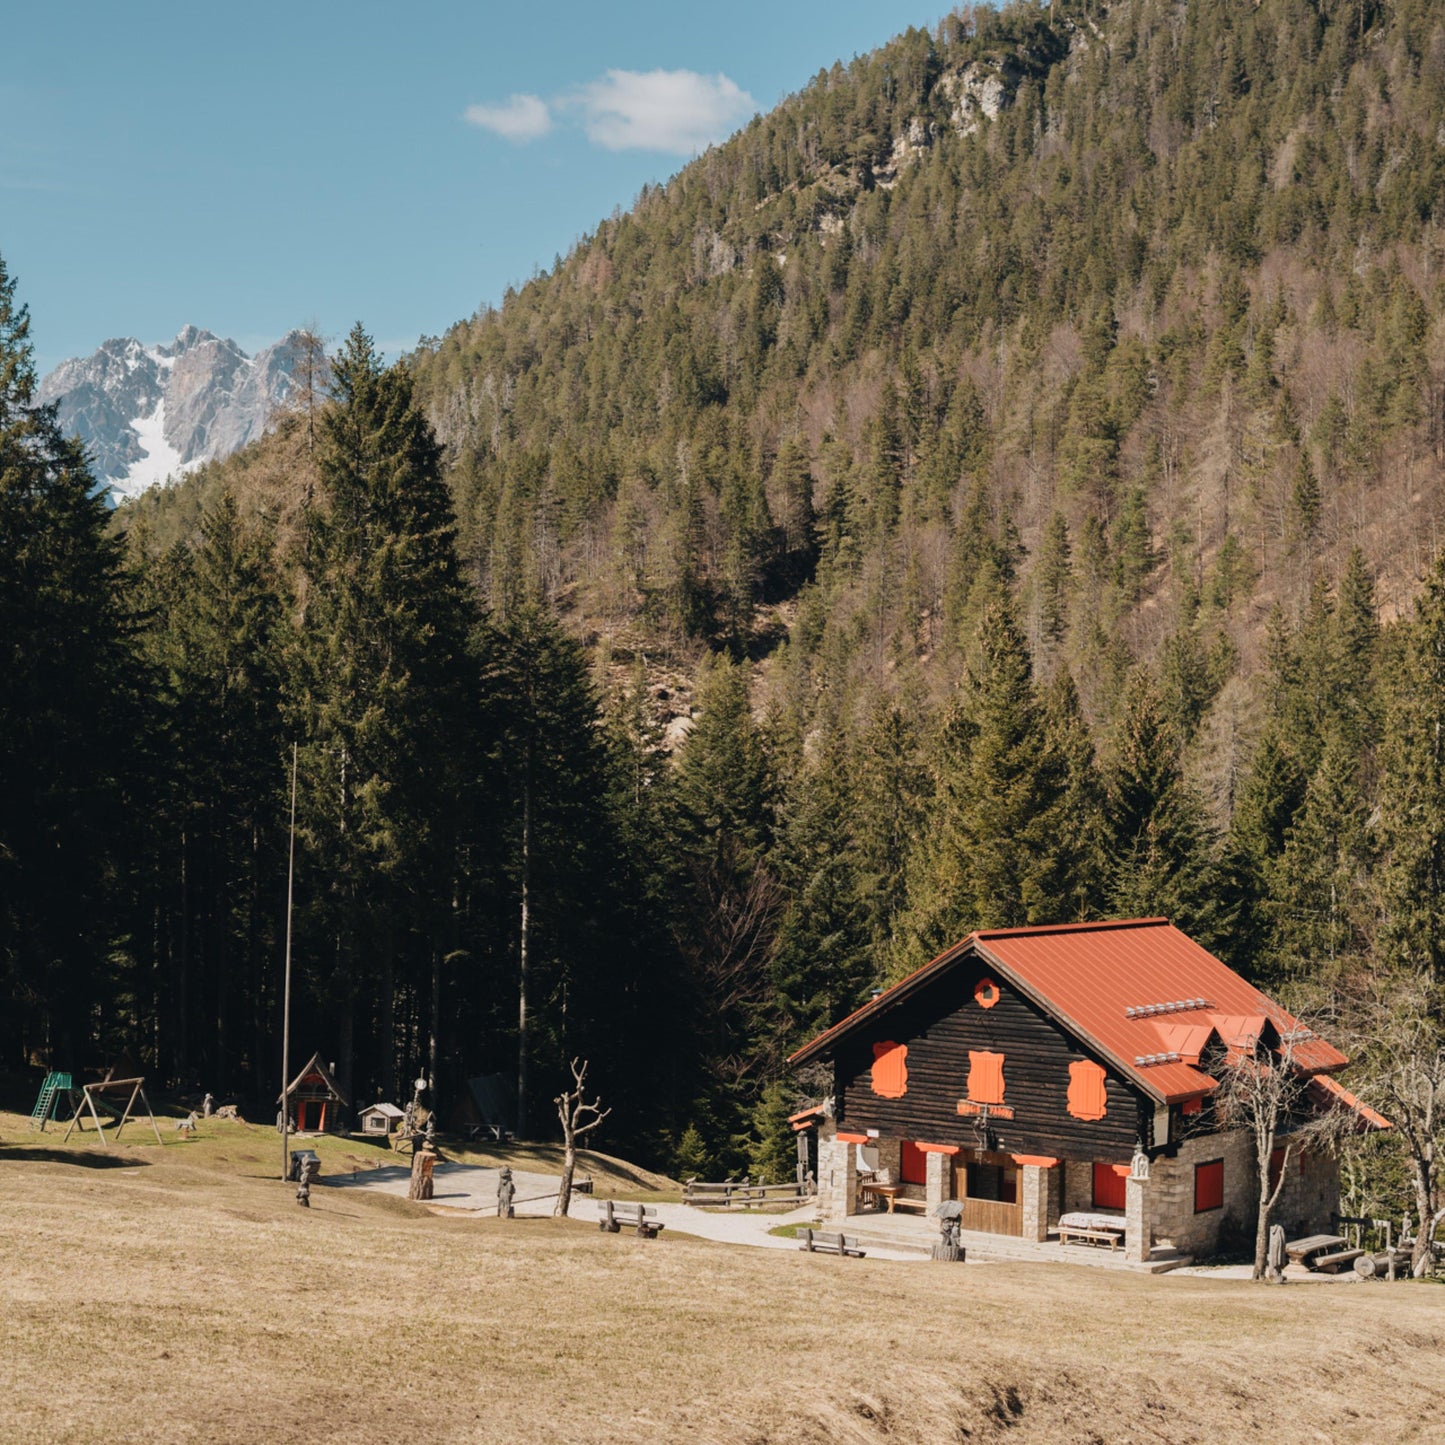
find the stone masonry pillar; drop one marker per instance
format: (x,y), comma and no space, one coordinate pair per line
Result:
(837,1177)
(935,1183)
(1034,1186)
(1138,1225)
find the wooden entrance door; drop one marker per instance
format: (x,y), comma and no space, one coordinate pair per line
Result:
(988,1186)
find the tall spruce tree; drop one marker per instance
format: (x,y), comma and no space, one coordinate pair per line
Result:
(1162,851)
(723,829)
(547,787)
(379,704)
(69,718)
(213,839)
(1412,790)
(821,963)
(989,856)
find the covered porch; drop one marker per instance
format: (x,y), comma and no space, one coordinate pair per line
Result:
(1022,1197)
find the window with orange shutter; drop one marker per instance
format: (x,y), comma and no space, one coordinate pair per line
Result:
(1088,1096)
(913,1165)
(1108,1187)
(985,1077)
(890,1069)
(1209,1186)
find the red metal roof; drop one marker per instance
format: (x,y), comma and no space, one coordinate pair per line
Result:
(1124,987)
(1329,1091)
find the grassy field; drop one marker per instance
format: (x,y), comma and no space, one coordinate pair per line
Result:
(179,1294)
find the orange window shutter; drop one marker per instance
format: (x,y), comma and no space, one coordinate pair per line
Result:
(985,1077)
(1109,1187)
(1088,1097)
(913,1164)
(890,1069)
(1209,1186)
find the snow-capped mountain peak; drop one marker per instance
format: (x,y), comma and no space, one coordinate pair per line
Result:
(152,412)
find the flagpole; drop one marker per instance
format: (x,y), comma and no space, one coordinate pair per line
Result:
(286,998)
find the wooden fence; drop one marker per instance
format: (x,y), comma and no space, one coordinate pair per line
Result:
(740,1191)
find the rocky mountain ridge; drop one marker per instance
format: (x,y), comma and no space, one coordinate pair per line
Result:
(148,413)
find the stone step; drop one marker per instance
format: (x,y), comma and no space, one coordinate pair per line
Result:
(917,1236)
(1161,1260)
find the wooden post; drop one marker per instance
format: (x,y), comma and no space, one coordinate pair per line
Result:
(286,992)
(422,1164)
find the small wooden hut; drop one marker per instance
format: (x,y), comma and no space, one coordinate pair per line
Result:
(380,1118)
(313,1098)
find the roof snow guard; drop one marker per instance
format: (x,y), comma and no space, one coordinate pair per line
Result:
(1086,976)
(1149,1010)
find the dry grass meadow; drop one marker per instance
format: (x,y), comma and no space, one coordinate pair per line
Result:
(179,1294)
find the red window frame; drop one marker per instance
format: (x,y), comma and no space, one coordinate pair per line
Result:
(1208,1186)
(1109,1191)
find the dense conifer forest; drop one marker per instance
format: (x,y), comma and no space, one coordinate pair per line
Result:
(1002,485)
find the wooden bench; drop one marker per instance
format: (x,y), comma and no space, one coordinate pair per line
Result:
(815,1241)
(614,1216)
(1336,1261)
(912,1206)
(1069,1234)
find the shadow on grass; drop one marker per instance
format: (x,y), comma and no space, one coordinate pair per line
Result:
(33,1155)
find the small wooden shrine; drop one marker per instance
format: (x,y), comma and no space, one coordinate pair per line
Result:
(315,1101)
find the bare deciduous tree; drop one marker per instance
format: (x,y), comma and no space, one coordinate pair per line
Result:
(1263,1089)
(729,957)
(1398,1034)
(572,1110)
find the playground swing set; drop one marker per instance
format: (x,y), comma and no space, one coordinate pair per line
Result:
(91,1094)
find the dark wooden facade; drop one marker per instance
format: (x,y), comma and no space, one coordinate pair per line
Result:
(941,1025)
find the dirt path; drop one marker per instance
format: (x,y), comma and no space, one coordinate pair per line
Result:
(474,1188)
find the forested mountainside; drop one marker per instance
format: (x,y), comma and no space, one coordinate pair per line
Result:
(995,487)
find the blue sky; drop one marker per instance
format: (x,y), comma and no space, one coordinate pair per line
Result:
(250,168)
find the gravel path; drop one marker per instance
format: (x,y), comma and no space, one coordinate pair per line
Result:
(472,1187)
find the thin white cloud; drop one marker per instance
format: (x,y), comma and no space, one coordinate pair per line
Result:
(519,118)
(662,110)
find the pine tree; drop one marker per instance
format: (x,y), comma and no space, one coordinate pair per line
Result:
(1161,848)
(69,720)
(890,786)
(1054,578)
(548,786)
(1412,790)
(722,826)
(1320,901)
(380,701)
(793,487)
(987,857)
(216,620)
(821,961)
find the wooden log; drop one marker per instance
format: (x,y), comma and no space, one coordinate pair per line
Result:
(1377,1265)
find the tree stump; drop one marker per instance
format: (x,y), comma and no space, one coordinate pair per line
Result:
(422,1164)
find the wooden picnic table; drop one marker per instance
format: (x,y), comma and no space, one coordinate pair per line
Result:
(1302,1251)
(890,1192)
